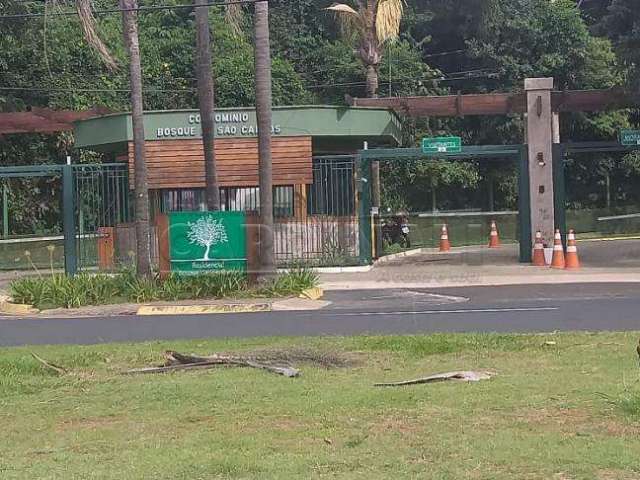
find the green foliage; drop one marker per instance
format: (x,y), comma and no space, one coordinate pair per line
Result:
(293,282)
(85,289)
(627,402)
(392,248)
(489,45)
(622,25)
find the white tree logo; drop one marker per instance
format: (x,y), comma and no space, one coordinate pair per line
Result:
(206,232)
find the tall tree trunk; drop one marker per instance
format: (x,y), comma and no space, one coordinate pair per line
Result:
(141,204)
(370,53)
(607,178)
(263,111)
(372,81)
(206,101)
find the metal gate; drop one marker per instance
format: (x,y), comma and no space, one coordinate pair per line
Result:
(609,221)
(102,202)
(367,217)
(322,229)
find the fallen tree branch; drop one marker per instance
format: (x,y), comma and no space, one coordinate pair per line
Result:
(175,361)
(59,370)
(462,376)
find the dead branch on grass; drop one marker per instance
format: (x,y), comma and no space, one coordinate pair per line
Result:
(59,370)
(462,376)
(177,361)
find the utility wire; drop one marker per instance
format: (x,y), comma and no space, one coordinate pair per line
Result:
(142,9)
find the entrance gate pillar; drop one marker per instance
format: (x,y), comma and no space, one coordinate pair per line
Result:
(540,131)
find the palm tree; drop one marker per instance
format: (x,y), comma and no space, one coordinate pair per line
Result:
(129,10)
(371,24)
(206,100)
(263,112)
(374,23)
(141,204)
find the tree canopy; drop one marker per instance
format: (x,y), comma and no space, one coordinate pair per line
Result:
(489,45)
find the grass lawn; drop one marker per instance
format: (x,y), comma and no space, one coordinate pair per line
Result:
(542,417)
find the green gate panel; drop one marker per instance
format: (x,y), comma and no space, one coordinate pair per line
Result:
(207,241)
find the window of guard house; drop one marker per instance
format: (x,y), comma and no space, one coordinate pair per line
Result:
(248,199)
(183,200)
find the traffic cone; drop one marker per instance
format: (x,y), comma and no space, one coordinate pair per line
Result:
(538,251)
(445,245)
(572,260)
(558,253)
(494,238)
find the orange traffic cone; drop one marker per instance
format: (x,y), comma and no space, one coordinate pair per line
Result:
(494,239)
(558,253)
(538,251)
(572,260)
(445,245)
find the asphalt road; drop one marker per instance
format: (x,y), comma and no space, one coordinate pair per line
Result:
(541,308)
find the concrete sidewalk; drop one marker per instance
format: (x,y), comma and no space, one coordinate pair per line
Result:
(608,262)
(464,276)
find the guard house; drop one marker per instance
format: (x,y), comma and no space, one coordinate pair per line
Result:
(313,170)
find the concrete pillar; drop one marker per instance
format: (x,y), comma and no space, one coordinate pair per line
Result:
(540,137)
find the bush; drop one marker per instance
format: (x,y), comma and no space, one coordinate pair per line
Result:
(291,283)
(84,289)
(628,402)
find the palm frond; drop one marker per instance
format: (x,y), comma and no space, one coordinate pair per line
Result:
(350,21)
(234,15)
(388,18)
(342,8)
(90,31)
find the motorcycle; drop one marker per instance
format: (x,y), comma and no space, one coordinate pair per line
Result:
(396,229)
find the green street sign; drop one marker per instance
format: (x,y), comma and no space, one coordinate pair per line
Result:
(442,145)
(207,241)
(630,137)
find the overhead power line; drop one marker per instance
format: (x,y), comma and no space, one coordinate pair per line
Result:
(142,9)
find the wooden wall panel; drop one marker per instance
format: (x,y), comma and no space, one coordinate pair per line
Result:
(180,163)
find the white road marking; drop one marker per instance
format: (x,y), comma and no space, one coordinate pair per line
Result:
(436,312)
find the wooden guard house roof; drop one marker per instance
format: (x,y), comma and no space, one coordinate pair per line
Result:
(175,154)
(326,125)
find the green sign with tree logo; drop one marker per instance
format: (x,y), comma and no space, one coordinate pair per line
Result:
(442,145)
(207,241)
(630,137)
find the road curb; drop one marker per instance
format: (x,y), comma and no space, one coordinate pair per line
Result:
(148,310)
(17,308)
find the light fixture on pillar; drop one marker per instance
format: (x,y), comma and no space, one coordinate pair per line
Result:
(540,157)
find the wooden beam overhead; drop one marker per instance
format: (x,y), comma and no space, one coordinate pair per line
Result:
(44,120)
(499,103)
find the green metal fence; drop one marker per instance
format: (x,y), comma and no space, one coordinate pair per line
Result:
(79,199)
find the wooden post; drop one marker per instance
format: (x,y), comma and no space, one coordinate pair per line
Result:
(164,251)
(106,248)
